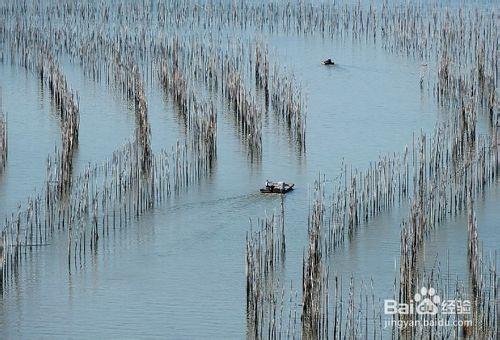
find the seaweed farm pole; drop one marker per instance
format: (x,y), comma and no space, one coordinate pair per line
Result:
(3,259)
(3,137)
(496,146)
(264,290)
(70,239)
(289,105)
(315,273)
(282,220)
(143,127)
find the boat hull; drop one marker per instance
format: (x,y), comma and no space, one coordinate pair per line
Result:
(276,190)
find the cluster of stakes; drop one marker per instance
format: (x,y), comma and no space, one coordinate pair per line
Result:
(265,257)
(327,309)
(449,174)
(117,55)
(29,51)
(104,197)
(199,116)
(436,181)
(66,103)
(127,77)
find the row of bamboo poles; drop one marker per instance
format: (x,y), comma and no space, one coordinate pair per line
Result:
(100,52)
(450,173)
(221,72)
(265,258)
(322,314)
(30,52)
(459,43)
(447,174)
(289,103)
(199,116)
(104,197)
(127,77)
(328,309)
(138,179)
(438,179)
(442,180)
(281,89)
(66,102)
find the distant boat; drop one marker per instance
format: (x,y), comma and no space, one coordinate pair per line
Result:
(328,62)
(277,188)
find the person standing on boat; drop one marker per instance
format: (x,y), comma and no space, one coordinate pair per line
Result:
(269,185)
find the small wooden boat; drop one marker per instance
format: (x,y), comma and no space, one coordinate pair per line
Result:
(277,188)
(328,62)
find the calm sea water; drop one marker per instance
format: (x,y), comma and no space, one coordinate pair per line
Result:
(179,272)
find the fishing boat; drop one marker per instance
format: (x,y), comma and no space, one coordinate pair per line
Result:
(277,188)
(328,62)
